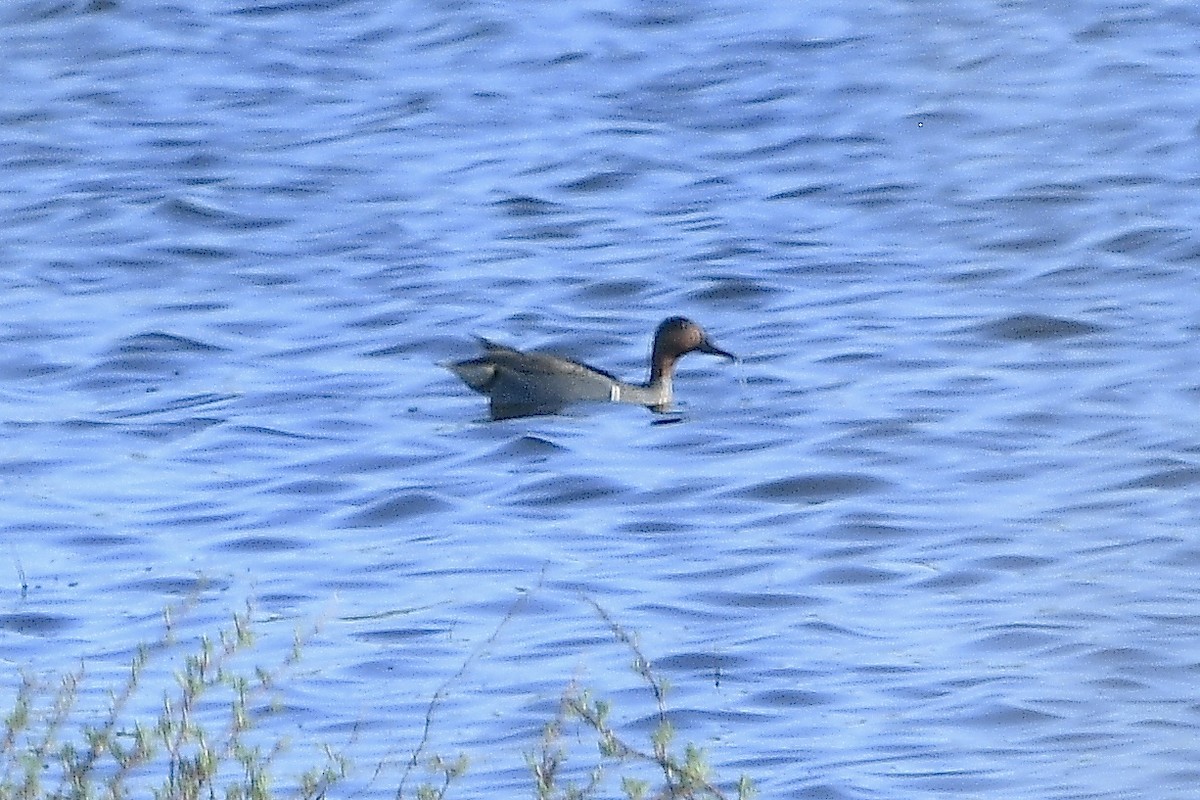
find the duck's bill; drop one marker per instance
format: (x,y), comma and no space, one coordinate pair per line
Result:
(708,347)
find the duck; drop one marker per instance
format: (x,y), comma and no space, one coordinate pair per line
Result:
(520,383)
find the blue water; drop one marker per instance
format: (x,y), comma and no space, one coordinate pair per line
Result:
(935,536)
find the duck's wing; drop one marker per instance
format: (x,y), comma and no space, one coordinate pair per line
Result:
(547,379)
(498,363)
(526,383)
(536,362)
(490,347)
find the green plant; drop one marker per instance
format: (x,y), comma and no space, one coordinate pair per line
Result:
(685,776)
(176,757)
(44,755)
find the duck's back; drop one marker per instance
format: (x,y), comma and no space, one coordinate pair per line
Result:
(519,382)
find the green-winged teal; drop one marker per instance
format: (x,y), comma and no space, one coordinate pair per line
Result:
(522,384)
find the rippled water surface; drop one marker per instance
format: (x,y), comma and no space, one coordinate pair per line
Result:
(934,536)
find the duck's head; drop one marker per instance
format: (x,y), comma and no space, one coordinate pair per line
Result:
(676,337)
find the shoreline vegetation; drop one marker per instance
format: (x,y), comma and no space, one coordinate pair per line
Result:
(48,753)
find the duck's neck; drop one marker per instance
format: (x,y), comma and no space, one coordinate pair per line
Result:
(662,370)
